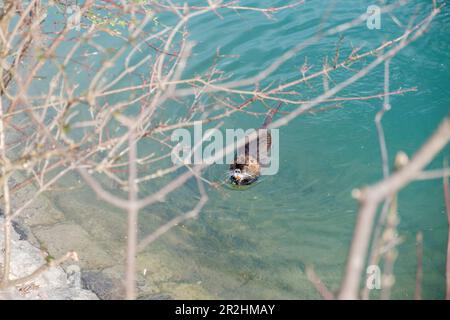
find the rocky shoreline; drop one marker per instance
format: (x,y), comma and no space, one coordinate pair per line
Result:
(56,223)
(55,283)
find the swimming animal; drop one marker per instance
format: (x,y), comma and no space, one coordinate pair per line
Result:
(246,167)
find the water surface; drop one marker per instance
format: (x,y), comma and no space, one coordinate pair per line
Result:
(255,243)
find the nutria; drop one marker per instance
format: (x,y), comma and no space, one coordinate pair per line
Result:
(246,167)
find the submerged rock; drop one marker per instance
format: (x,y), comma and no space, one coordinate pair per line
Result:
(104,286)
(69,237)
(159,296)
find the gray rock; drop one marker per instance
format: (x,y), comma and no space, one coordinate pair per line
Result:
(74,276)
(23,234)
(53,284)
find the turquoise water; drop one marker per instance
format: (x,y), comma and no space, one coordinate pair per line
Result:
(256,243)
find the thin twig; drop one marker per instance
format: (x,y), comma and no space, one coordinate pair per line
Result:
(447,209)
(419,271)
(318,284)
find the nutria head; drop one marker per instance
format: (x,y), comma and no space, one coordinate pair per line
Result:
(244,170)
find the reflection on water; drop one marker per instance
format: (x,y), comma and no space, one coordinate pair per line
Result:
(255,243)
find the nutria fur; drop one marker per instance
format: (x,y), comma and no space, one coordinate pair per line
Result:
(246,167)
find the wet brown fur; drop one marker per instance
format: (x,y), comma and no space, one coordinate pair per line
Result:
(249,164)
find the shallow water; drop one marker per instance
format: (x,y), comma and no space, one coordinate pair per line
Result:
(256,243)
